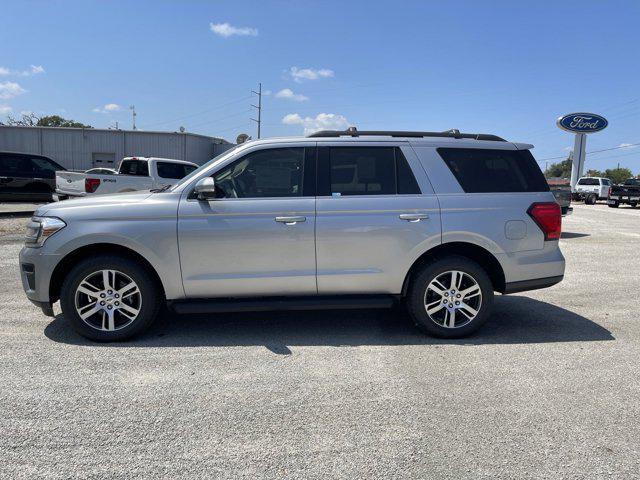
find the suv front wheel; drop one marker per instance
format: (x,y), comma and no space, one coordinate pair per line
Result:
(450,298)
(109,298)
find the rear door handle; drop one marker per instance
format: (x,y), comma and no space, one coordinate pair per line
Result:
(290,220)
(413,217)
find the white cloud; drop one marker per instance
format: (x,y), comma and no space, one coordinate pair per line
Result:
(301,74)
(33,70)
(323,121)
(627,145)
(5,109)
(10,90)
(108,108)
(289,95)
(226,30)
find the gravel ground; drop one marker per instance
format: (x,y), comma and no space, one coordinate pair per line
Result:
(549,388)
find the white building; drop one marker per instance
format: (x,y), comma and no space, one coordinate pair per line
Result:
(84,148)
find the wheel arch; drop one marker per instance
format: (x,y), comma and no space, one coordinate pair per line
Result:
(87,251)
(474,252)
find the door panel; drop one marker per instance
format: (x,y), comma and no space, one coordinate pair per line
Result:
(259,238)
(236,247)
(363,245)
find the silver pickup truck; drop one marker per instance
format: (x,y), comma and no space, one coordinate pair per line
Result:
(437,221)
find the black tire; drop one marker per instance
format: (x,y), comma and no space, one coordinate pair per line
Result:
(416,297)
(591,199)
(614,205)
(151,298)
(633,205)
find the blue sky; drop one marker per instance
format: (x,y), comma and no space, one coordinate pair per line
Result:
(509,68)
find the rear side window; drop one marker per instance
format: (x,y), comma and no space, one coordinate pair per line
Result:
(484,171)
(588,181)
(15,166)
(365,171)
(134,167)
(605,181)
(174,170)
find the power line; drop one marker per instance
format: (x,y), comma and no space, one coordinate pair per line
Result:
(594,151)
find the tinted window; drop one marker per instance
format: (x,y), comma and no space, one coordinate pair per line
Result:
(606,181)
(134,167)
(43,167)
(15,166)
(174,170)
(588,181)
(276,172)
(362,171)
(482,170)
(406,181)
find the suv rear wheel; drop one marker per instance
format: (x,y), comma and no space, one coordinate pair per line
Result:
(450,297)
(108,298)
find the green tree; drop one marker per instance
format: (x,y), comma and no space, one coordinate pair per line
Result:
(32,120)
(594,173)
(561,169)
(617,175)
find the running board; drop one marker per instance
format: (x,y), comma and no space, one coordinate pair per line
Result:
(264,304)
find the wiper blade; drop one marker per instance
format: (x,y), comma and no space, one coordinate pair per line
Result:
(161,189)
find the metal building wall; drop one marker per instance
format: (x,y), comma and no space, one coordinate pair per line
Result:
(75,148)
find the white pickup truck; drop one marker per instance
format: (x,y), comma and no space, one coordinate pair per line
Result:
(134,173)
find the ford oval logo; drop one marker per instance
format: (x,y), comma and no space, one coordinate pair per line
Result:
(582,122)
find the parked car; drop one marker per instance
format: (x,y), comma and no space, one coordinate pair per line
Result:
(437,221)
(627,193)
(592,189)
(27,177)
(134,173)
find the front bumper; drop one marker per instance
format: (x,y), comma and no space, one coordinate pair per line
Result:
(36,269)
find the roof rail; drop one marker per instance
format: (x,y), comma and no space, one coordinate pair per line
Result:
(453,133)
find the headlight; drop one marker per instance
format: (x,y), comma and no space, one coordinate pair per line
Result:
(41,228)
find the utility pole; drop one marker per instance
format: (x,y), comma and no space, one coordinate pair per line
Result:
(258,107)
(133,115)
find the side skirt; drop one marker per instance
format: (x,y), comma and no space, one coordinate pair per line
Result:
(263,304)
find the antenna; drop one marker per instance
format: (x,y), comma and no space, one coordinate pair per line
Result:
(133,116)
(258,107)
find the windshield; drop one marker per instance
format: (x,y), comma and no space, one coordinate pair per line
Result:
(196,172)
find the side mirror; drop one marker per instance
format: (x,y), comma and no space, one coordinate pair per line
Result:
(205,188)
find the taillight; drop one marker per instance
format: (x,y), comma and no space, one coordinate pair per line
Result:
(609,192)
(548,217)
(90,184)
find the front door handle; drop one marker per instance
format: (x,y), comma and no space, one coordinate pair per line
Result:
(290,220)
(413,217)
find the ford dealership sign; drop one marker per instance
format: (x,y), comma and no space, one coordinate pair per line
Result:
(582,123)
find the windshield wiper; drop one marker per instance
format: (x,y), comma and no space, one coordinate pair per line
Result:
(163,188)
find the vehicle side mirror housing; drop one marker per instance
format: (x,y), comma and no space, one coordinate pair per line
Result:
(205,188)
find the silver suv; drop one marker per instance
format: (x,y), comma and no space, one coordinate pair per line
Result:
(438,221)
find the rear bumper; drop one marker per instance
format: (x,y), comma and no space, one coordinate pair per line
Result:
(534,284)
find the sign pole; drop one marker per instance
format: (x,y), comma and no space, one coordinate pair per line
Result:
(579,154)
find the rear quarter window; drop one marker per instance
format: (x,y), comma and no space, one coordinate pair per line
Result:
(492,171)
(134,167)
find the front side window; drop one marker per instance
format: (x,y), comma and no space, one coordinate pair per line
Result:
(480,170)
(45,168)
(367,171)
(138,168)
(276,172)
(174,170)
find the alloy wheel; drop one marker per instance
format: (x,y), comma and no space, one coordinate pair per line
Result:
(453,299)
(108,300)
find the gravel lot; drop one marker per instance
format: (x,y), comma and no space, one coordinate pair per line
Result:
(549,388)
